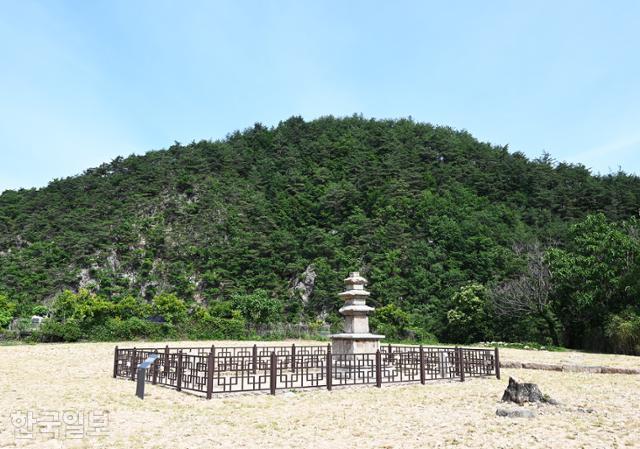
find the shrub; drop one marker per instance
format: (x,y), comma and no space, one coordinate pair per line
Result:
(40,310)
(421,335)
(85,308)
(170,307)
(258,307)
(623,332)
(53,331)
(222,309)
(130,329)
(130,306)
(7,310)
(205,326)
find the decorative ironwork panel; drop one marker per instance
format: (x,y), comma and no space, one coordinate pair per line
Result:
(301,371)
(239,373)
(193,372)
(403,366)
(478,362)
(440,363)
(168,369)
(353,369)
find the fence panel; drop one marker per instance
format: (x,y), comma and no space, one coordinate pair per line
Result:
(234,373)
(301,371)
(194,373)
(478,362)
(402,366)
(353,369)
(439,363)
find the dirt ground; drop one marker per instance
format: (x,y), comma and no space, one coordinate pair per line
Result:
(570,358)
(58,385)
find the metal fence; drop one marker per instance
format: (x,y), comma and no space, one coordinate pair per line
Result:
(212,369)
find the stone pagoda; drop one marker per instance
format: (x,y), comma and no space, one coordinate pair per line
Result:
(356,338)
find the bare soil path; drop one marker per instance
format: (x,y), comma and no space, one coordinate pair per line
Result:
(595,411)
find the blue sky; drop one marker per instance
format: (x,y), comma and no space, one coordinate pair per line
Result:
(82,82)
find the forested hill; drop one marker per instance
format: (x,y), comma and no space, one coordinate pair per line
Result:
(421,210)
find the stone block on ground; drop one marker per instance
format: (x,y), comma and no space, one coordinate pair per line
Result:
(515,413)
(616,370)
(510,364)
(542,366)
(581,369)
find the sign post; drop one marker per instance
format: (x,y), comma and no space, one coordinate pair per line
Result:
(141,374)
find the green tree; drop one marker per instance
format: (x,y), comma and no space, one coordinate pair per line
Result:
(85,308)
(170,307)
(595,275)
(258,307)
(391,321)
(7,310)
(130,306)
(467,318)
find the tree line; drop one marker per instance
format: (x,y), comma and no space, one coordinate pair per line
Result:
(461,240)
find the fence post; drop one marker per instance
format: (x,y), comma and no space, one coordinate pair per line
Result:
(133,364)
(497,362)
(167,366)
(390,351)
(254,358)
(329,369)
(179,372)
(422,365)
(456,366)
(210,375)
(293,357)
(274,372)
(460,363)
(115,363)
(154,367)
(378,369)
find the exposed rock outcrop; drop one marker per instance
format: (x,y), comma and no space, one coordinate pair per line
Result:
(304,284)
(520,392)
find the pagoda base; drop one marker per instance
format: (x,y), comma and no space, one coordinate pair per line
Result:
(355,343)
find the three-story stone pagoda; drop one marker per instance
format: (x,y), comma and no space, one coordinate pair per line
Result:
(356,338)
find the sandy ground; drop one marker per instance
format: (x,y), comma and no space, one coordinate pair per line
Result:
(595,411)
